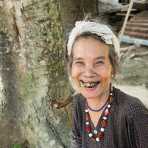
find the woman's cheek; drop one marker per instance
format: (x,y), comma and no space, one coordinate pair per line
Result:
(74,72)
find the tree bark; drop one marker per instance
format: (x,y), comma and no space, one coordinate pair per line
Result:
(32,70)
(75,10)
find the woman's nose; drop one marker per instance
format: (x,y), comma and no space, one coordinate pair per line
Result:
(89,71)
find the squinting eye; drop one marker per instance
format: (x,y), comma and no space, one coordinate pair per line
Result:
(99,62)
(78,62)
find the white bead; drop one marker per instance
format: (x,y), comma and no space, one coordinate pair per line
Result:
(97,139)
(95,132)
(102,129)
(90,134)
(106,111)
(108,105)
(87,123)
(86,110)
(105,118)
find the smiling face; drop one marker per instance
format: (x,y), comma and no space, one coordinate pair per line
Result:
(91,68)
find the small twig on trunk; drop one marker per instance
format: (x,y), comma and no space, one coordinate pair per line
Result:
(135,55)
(60,104)
(129,48)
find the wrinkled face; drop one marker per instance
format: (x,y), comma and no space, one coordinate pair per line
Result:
(91,69)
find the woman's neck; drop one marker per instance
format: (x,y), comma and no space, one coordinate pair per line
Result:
(98,102)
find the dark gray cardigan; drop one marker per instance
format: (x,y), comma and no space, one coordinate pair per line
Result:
(128,124)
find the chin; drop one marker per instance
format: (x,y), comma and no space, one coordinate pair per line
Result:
(89,95)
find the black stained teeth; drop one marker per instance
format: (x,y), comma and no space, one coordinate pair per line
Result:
(89,84)
(81,84)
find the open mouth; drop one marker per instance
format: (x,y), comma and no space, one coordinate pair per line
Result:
(89,84)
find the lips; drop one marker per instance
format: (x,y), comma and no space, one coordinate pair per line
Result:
(91,84)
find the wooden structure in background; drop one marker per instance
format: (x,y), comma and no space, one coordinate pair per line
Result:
(138,26)
(135,26)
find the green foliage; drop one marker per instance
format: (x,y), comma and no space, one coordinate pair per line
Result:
(16,146)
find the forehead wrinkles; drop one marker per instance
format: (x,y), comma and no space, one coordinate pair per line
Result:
(89,47)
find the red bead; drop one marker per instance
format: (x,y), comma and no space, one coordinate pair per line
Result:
(101,135)
(87,129)
(106,112)
(94,137)
(87,117)
(104,123)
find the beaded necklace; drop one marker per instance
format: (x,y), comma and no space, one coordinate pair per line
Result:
(96,110)
(95,134)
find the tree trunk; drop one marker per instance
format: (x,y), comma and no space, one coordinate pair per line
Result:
(32,72)
(75,10)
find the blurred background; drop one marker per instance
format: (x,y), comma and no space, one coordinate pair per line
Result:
(35,96)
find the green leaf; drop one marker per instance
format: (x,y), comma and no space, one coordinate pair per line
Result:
(16,146)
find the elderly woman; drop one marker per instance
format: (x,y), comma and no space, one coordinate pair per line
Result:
(103,116)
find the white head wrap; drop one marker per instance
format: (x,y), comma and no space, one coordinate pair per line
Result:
(99,29)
